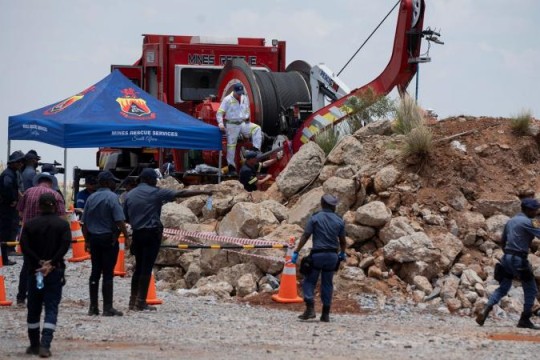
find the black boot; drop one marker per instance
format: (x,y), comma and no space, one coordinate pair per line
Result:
(134,292)
(46,340)
(94,309)
(525,321)
(325,316)
(309,313)
(141,305)
(108,309)
(232,170)
(482,316)
(33,336)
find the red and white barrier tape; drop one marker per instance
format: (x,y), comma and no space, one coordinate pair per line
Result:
(219,238)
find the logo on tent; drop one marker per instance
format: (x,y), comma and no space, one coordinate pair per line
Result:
(133,107)
(64,104)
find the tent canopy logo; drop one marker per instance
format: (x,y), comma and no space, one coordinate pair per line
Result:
(133,107)
(64,104)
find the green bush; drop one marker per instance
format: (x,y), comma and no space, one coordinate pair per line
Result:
(408,116)
(521,123)
(366,108)
(327,139)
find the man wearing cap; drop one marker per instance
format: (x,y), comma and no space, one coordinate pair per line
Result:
(328,230)
(250,170)
(9,195)
(31,163)
(103,220)
(90,185)
(516,239)
(235,110)
(28,207)
(51,170)
(45,240)
(142,208)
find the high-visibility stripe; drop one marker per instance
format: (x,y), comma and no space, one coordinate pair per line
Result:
(49,326)
(122,246)
(252,181)
(33,325)
(289,270)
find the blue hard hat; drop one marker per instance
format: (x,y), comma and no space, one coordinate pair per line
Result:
(239,88)
(530,203)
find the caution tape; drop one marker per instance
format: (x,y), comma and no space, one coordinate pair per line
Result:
(224,247)
(182,246)
(221,238)
(15,243)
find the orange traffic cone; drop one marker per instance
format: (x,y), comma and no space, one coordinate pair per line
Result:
(287,288)
(119,268)
(77,247)
(3,301)
(19,232)
(151,298)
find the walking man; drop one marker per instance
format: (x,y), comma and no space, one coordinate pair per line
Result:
(103,220)
(29,208)
(235,110)
(45,240)
(10,189)
(517,237)
(328,230)
(142,208)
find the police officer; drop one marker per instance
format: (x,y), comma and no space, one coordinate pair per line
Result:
(10,189)
(517,236)
(45,240)
(235,109)
(103,220)
(29,172)
(328,230)
(142,207)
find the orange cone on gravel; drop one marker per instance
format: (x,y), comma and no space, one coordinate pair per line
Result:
(77,247)
(3,300)
(288,292)
(151,297)
(119,269)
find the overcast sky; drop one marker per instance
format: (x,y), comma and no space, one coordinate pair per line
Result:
(54,49)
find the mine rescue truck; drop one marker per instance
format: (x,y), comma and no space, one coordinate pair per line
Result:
(291,102)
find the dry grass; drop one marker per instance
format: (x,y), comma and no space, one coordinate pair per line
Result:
(418,142)
(521,123)
(327,139)
(408,116)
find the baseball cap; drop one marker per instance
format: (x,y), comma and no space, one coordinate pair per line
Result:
(107,175)
(239,88)
(330,199)
(250,155)
(47,199)
(149,173)
(530,203)
(39,177)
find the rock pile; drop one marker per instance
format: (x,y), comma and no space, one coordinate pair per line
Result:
(422,233)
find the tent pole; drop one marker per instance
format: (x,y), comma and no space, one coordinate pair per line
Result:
(65,173)
(8,150)
(219,166)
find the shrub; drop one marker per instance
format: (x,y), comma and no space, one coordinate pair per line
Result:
(327,139)
(366,108)
(418,142)
(521,123)
(408,116)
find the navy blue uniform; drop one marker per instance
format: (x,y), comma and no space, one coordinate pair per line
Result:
(9,218)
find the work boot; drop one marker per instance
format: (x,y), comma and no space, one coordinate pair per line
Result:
(325,316)
(232,170)
(482,316)
(94,309)
(309,313)
(44,352)
(144,283)
(33,336)
(108,309)
(31,350)
(525,321)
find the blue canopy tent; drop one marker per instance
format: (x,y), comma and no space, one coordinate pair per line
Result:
(113,113)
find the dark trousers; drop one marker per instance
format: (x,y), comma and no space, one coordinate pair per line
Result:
(23,281)
(520,268)
(104,253)
(50,297)
(9,222)
(324,264)
(145,247)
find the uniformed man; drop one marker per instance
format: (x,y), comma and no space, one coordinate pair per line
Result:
(234,109)
(29,172)
(517,236)
(10,190)
(103,220)
(251,169)
(328,230)
(45,241)
(142,207)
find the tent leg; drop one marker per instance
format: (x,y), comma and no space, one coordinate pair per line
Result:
(9,150)
(65,174)
(219,166)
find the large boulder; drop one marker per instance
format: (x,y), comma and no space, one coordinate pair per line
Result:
(344,190)
(212,286)
(211,261)
(301,170)
(489,207)
(281,212)
(246,220)
(346,152)
(374,214)
(379,127)
(234,273)
(495,226)
(450,247)
(308,203)
(410,248)
(175,215)
(385,178)
(396,228)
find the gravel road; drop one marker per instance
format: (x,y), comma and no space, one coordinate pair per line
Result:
(204,328)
